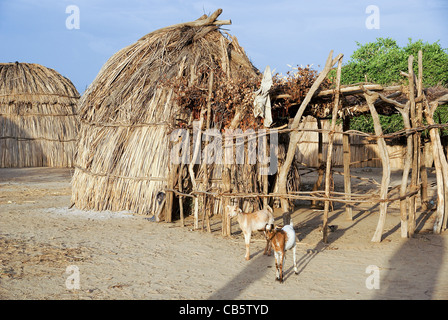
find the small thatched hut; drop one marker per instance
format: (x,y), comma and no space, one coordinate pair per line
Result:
(129,110)
(38,124)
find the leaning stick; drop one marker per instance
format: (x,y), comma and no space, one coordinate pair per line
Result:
(384,155)
(295,124)
(330,152)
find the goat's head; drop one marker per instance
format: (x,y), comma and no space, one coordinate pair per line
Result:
(270,231)
(233,211)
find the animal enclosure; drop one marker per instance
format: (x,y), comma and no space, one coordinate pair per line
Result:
(192,84)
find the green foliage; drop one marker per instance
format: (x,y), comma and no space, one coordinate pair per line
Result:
(389,124)
(394,122)
(381,62)
(435,62)
(441,116)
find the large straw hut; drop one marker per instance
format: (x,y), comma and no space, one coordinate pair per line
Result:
(129,110)
(38,124)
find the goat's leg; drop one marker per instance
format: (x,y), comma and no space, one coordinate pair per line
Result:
(268,248)
(277,274)
(294,259)
(247,242)
(282,259)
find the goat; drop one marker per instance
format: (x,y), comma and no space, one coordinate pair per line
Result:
(282,240)
(250,222)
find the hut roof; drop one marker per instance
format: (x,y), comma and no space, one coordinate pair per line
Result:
(37,116)
(128,81)
(126,114)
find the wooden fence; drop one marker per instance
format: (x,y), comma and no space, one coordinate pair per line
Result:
(363,151)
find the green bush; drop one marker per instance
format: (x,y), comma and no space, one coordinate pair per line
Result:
(381,62)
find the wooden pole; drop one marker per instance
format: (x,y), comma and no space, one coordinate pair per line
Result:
(404,200)
(169,199)
(441,165)
(196,152)
(181,198)
(226,228)
(406,168)
(439,175)
(330,152)
(226,175)
(320,163)
(384,155)
(416,145)
(422,156)
(294,137)
(346,159)
(264,173)
(346,90)
(206,209)
(170,194)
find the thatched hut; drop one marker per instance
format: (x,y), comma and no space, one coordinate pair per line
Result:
(129,110)
(38,124)
(192,71)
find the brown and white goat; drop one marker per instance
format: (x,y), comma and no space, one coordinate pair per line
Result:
(250,222)
(282,240)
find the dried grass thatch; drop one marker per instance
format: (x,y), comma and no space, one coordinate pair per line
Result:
(127,112)
(38,124)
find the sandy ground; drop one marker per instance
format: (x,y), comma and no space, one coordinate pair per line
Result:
(122,256)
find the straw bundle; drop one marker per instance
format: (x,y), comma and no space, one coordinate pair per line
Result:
(38,123)
(127,113)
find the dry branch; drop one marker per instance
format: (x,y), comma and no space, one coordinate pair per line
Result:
(283,171)
(330,151)
(370,99)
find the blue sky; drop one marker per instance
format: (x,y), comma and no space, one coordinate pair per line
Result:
(275,32)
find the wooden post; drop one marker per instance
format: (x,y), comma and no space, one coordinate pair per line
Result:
(196,152)
(406,168)
(423,172)
(404,200)
(320,163)
(264,171)
(439,175)
(346,158)
(226,175)
(206,209)
(334,117)
(441,165)
(226,229)
(170,194)
(294,137)
(181,198)
(384,155)
(416,145)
